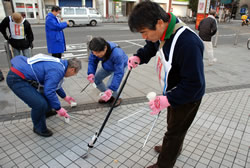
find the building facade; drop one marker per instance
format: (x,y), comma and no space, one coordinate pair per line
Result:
(244,7)
(35,10)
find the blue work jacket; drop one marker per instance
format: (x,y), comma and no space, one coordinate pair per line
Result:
(116,63)
(49,74)
(54,34)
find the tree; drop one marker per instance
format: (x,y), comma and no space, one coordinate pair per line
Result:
(193,4)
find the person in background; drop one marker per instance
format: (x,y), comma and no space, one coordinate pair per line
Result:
(1,76)
(179,64)
(20,34)
(208,28)
(244,18)
(36,81)
(54,32)
(114,64)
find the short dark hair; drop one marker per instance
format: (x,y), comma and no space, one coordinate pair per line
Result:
(146,15)
(55,8)
(97,44)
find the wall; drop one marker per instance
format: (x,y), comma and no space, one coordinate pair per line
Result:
(244,2)
(50,2)
(29,9)
(180,10)
(2,11)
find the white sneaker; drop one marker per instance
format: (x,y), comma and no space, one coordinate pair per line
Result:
(214,60)
(211,62)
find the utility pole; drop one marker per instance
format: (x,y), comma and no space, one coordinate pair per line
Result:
(169,6)
(205,9)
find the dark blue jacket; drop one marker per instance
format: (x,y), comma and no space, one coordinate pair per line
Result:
(54,34)
(187,72)
(116,63)
(49,74)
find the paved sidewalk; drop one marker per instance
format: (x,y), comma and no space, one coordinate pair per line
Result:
(219,136)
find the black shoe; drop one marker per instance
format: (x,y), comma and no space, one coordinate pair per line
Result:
(109,101)
(118,103)
(46,133)
(158,148)
(50,113)
(1,79)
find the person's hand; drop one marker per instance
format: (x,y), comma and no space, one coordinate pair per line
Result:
(91,78)
(67,22)
(158,104)
(133,62)
(68,99)
(107,95)
(62,112)
(31,45)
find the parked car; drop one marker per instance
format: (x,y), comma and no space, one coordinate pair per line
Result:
(81,15)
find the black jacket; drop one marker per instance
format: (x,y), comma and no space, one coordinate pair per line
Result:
(186,81)
(207,28)
(17,43)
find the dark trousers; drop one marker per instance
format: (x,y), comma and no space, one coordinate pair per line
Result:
(1,75)
(179,120)
(57,55)
(35,100)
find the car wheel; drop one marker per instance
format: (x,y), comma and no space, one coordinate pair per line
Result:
(71,23)
(93,23)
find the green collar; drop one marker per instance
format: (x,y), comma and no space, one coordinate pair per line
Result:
(170,27)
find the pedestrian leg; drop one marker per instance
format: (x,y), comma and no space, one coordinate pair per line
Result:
(27,52)
(99,77)
(179,120)
(1,76)
(115,93)
(210,52)
(16,52)
(32,98)
(57,55)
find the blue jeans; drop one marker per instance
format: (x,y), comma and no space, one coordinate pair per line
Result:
(35,100)
(25,52)
(101,75)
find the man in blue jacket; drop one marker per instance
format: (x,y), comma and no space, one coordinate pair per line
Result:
(54,32)
(114,64)
(36,81)
(179,64)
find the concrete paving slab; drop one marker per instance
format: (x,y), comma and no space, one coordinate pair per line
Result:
(213,139)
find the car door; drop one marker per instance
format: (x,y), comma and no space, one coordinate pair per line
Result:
(81,16)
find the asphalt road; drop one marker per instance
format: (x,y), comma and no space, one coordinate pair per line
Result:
(76,38)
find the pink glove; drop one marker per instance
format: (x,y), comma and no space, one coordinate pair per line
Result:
(107,95)
(66,115)
(68,99)
(62,112)
(133,62)
(91,78)
(159,103)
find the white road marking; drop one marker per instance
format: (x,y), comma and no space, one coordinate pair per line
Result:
(134,43)
(84,50)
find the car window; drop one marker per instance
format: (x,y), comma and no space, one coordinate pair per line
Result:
(93,11)
(81,11)
(68,11)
